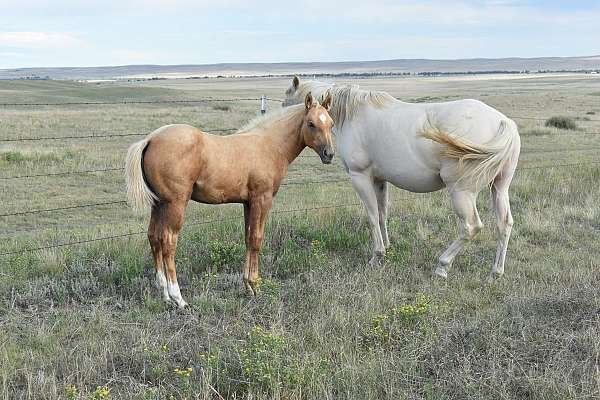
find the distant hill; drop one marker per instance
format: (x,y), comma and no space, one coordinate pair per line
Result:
(350,67)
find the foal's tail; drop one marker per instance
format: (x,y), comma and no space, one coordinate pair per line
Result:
(479,163)
(139,194)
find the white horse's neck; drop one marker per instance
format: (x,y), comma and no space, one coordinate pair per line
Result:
(346,99)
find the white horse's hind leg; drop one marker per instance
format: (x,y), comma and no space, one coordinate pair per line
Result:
(381,191)
(464,204)
(365,188)
(504,223)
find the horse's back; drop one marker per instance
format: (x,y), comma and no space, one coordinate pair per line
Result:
(385,141)
(468,118)
(182,134)
(171,159)
(388,139)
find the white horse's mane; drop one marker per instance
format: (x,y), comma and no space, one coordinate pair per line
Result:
(281,114)
(346,98)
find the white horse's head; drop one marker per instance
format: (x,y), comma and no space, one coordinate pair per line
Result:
(291,94)
(297,91)
(347,100)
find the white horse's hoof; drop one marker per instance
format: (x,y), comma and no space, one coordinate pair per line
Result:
(375,262)
(440,272)
(493,277)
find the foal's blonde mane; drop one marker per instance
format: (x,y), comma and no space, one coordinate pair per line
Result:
(286,114)
(346,99)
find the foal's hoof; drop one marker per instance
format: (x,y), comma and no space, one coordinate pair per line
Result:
(180,303)
(252,286)
(440,272)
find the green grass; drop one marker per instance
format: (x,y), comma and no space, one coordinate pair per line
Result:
(561,123)
(78,319)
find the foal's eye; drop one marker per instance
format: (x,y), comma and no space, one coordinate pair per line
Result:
(311,125)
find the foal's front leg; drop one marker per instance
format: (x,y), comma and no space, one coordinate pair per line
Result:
(255,217)
(365,188)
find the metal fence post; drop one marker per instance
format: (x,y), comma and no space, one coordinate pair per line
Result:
(263,104)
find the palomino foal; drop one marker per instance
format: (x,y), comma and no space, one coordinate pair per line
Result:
(177,163)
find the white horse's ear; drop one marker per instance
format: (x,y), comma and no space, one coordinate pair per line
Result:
(309,101)
(295,82)
(327,102)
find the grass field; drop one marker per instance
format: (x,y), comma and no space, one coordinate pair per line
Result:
(85,321)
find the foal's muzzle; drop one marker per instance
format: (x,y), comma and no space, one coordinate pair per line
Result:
(326,153)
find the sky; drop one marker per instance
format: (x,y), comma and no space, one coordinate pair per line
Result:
(76,33)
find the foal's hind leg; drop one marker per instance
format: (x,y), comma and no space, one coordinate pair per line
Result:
(172,218)
(154,237)
(464,204)
(381,191)
(504,223)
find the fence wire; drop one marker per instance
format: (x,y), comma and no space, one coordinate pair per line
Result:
(118,135)
(125,102)
(193,223)
(200,100)
(284,184)
(212,221)
(109,135)
(115,168)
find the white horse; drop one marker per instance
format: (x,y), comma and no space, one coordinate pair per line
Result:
(462,145)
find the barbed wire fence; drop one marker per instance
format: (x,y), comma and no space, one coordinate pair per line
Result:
(263,107)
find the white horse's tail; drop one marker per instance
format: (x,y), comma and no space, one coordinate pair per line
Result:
(139,194)
(479,163)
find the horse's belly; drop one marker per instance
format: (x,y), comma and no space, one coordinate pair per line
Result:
(417,184)
(210,194)
(405,175)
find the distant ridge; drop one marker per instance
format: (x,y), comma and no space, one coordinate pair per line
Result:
(585,63)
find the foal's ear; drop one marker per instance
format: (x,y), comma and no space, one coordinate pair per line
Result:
(295,82)
(309,101)
(327,102)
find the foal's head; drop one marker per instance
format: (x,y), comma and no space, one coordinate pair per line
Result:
(316,127)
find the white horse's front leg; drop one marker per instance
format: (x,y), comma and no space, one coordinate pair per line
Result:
(365,188)
(381,191)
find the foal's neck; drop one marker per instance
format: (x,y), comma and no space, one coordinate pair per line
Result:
(288,136)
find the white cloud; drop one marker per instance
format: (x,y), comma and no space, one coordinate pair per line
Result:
(437,13)
(208,31)
(39,40)
(10,54)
